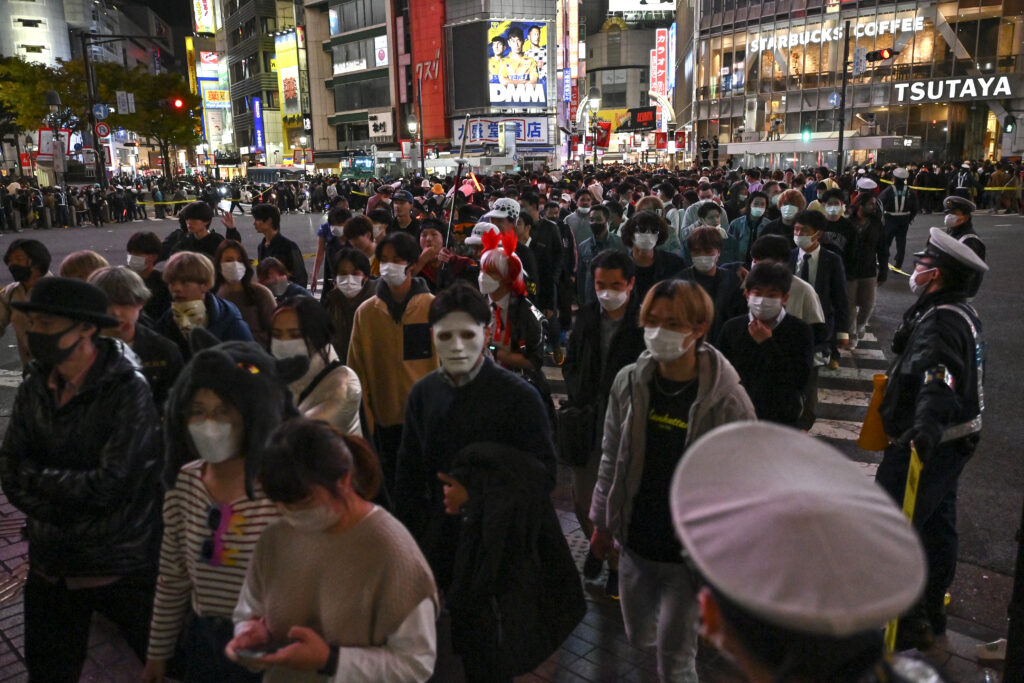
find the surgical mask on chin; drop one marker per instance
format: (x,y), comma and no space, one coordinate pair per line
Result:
(764,308)
(393,274)
(284,348)
(315,519)
(789,212)
(214,441)
(612,300)
(916,287)
(951,220)
(645,241)
(756,211)
(704,264)
(666,345)
(833,210)
(232,271)
(136,263)
(488,283)
(803,241)
(583,210)
(458,352)
(350,285)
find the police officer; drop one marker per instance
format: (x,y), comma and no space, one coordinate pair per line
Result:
(800,557)
(934,400)
(900,206)
(959,224)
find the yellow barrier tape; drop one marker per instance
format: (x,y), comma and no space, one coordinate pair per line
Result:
(939,189)
(895,269)
(909,503)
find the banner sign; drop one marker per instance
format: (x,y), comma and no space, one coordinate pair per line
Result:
(672,57)
(427,34)
(288,73)
(604,133)
(217,99)
(517,63)
(202,16)
(644,119)
(659,82)
(258,143)
(530,130)
(661,140)
(963,88)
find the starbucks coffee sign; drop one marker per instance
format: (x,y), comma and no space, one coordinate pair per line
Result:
(816,34)
(954,89)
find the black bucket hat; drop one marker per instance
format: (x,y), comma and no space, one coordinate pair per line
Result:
(69,298)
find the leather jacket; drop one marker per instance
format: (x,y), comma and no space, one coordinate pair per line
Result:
(87,474)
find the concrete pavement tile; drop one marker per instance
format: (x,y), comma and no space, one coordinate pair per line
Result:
(17,677)
(611,669)
(577,646)
(14,550)
(566,676)
(960,669)
(554,663)
(626,653)
(529,678)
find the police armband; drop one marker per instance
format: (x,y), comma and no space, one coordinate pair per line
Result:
(939,373)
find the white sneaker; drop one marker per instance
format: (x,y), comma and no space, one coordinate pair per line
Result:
(995,650)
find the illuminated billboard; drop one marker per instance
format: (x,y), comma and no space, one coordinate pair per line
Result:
(517,63)
(202,15)
(287,58)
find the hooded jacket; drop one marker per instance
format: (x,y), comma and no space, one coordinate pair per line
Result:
(223,321)
(87,474)
(720,399)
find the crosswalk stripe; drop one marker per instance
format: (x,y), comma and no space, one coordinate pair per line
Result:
(10,378)
(873,354)
(844,397)
(837,429)
(869,337)
(869,468)
(849,373)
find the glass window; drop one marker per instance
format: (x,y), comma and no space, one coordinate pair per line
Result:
(333,21)
(271,99)
(357,14)
(374,92)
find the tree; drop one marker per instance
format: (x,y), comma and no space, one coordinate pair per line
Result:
(155,116)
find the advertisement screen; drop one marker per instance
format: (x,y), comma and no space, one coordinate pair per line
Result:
(258,142)
(288,73)
(517,61)
(202,16)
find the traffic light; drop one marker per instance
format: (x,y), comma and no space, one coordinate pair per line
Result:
(805,135)
(178,103)
(172,103)
(882,55)
(1009,124)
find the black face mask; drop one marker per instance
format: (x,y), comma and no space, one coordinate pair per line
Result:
(20,273)
(45,348)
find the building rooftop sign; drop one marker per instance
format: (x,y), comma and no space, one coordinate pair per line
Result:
(829,34)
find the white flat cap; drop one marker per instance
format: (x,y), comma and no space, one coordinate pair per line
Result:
(789,529)
(476,236)
(900,172)
(866,184)
(942,247)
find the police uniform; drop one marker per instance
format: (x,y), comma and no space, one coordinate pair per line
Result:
(934,398)
(964,233)
(900,206)
(803,555)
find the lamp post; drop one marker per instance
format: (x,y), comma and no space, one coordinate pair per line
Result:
(54,105)
(594,102)
(413,125)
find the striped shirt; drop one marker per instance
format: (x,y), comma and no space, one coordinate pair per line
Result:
(204,556)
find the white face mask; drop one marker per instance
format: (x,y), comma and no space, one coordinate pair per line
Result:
(666,345)
(350,285)
(775,200)
(214,441)
(951,220)
(803,241)
(833,210)
(378,230)
(764,308)
(459,340)
(788,212)
(704,264)
(915,286)
(756,211)
(583,210)
(338,230)
(283,348)
(233,271)
(645,241)
(711,221)
(612,300)
(393,274)
(488,283)
(136,263)
(315,519)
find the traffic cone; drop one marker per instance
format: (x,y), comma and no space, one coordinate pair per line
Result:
(872,433)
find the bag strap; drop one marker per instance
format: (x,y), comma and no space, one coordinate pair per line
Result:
(316,380)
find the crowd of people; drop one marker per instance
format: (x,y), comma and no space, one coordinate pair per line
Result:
(354,462)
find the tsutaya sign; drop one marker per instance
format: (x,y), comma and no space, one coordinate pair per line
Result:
(761,43)
(947,89)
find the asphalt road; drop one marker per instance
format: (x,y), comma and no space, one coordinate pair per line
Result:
(992,486)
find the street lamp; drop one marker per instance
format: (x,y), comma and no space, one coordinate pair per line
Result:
(594,101)
(413,124)
(52,99)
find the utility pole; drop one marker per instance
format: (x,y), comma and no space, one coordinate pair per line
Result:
(842,97)
(90,88)
(423,149)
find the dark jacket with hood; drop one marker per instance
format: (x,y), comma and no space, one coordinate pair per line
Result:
(223,321)
(87,474)
(516,595)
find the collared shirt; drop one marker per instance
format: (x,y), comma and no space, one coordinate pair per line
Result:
(812,267)
(775,323)
(447,378)
(65,390)
(502,323)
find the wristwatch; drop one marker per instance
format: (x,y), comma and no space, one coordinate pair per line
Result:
(331,666)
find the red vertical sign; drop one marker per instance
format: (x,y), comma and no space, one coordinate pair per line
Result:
(680,140)
(659,81)
(426,34)
(661,140)
(604,133)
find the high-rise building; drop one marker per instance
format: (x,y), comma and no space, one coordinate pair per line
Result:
(768,80)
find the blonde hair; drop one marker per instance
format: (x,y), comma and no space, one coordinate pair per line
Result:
(81,264)
(651,203)
(189,266)
(689,301)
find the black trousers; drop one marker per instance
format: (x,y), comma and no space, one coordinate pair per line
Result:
(234,203)
(934,514)
(57,622)
(205,661)
(388,439)
(896,229)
